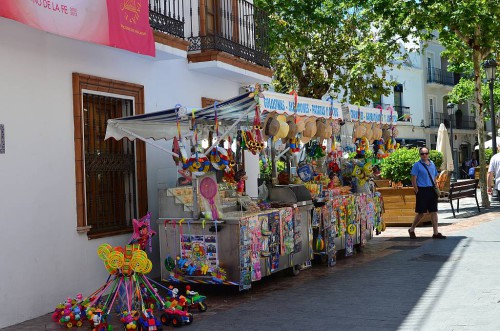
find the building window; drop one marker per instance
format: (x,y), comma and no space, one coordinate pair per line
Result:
(398,99)
(377,101)
(110,175)
(207,102)
(432,112)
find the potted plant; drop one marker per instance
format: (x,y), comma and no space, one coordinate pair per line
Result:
(399,203)
(397,166)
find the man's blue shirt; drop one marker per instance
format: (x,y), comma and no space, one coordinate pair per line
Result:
(423,179)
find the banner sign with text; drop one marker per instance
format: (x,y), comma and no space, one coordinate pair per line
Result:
(285,103)
(367,114)
(118,23)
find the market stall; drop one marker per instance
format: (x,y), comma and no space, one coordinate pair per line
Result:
(218,228)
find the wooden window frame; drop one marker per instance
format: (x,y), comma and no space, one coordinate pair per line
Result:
(84,82)
(207,102)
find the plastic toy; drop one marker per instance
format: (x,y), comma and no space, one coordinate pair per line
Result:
(142,232)
(148,322)
(194,300)
(129,320)
(97,320)
(208,190)
(198,164)
(70,313)
(219,158)
(240,178)
(176,317)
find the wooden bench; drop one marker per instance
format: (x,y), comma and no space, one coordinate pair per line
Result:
(463,189)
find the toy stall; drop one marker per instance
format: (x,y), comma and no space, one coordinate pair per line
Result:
(336,159)
(222,223)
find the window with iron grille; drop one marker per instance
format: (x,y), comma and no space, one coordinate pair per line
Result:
(110,189)
(111,175)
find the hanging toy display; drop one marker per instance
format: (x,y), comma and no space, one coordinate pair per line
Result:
(176,149)
(218,155)
(229,170)
(208,189)
(142,232)
(257,132)
(305,171)
(177,144)
(315,150)
(198,164)
(219,158)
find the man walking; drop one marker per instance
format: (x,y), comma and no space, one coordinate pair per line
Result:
(423,179)
(494,174)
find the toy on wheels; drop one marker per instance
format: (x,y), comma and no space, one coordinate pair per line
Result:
(148,322)
(194,300)
(176,317)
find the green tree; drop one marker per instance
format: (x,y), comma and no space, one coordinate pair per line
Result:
(464,91)
(468,29)
(329,46)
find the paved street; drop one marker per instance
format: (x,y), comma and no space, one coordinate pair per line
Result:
(394,284)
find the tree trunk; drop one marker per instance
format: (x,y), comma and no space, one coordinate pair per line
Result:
(476,59)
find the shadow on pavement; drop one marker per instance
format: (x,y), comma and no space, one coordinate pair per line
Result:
(377,295)
(374,290)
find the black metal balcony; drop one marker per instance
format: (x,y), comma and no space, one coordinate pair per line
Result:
(235,27)
(403,113)
(439,76)
(463,122)
(167,16)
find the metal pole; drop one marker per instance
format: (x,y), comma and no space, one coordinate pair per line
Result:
(493,126)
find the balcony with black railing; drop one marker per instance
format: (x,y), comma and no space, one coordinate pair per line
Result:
(463,122)
(443,77)
(167,16)
(235,27)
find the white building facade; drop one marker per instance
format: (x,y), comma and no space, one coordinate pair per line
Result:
(64,190)
(420,98)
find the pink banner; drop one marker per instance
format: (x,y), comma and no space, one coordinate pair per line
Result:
(117,23)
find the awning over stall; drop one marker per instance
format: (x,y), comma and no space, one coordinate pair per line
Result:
(161,124)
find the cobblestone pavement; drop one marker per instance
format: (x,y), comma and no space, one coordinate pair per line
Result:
(393,283)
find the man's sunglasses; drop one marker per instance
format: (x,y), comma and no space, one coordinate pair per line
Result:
(424,153)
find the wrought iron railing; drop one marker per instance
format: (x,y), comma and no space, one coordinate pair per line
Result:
(167,16)
(437,118)
(403,113)
(235,27)
(463,122)
(439,76)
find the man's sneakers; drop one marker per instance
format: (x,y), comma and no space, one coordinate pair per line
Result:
(438,236)
(434,236)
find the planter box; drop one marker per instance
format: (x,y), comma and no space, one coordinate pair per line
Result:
(399,205)
(379,183)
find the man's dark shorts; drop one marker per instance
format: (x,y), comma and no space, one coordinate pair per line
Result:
(426,200)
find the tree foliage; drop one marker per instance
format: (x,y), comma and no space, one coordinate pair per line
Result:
(329,46)
(468,29)
(464,92)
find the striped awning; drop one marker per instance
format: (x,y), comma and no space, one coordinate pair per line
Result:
(162,124)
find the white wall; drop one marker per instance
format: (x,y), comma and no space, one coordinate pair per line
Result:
(413,85)
(44,260)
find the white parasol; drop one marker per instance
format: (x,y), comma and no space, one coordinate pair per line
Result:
(489,143)
(443,146)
